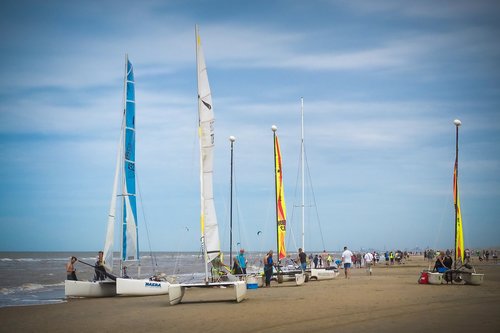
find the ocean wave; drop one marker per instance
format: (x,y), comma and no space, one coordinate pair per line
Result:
(21,259)
(32,259)
(7,291)
(30,287)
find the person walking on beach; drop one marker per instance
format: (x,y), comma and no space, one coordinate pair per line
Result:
(358,260)
(70,269)
(324,256)
(347,261)
(368,262)
(100,271)
(302,259)
(268,267)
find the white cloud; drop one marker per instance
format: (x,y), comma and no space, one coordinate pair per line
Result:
(456,9)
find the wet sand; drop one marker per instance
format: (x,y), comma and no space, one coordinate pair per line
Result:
(388,301)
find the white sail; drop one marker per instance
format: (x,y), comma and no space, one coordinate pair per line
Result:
(209,227)
(109,242)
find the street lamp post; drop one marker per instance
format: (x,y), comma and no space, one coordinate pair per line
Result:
(231,139)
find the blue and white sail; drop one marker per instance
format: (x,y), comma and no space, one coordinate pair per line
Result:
(130,248)
(125,166)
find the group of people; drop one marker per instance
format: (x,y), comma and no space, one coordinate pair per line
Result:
(99,269)
(269,264)
(398,257)
(323,260)
(348,259)
(485,255)
(444,262)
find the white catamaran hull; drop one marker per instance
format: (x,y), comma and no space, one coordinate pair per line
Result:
(284,277)
(435,278)
(323,274)
(473,278)
(300,279)
(176,291)
(89,288)
(141,287)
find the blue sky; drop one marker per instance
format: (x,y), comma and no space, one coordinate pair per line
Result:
(382,82)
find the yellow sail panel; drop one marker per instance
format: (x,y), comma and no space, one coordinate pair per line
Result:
(459,240)
(459,246)
(280,203)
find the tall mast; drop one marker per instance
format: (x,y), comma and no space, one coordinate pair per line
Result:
(122,158)
(302,168)
(457,125)
(274,129)
(202,204)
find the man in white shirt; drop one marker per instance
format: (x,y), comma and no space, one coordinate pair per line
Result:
(347,261)
(368,262)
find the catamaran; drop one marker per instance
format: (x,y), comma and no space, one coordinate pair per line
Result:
(125,167)
(156,285)
(209,227)
(298,276)
(465,272)
(315,273)
(469,277)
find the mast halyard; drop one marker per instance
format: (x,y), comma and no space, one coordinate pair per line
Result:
(122,158)
(302,168)
(232,139)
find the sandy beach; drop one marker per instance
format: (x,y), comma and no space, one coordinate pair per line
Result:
(389,301)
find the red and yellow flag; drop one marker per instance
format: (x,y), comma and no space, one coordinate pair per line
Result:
(459,240)
(280,202)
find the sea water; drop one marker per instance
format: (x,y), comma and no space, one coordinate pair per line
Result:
(31,278)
